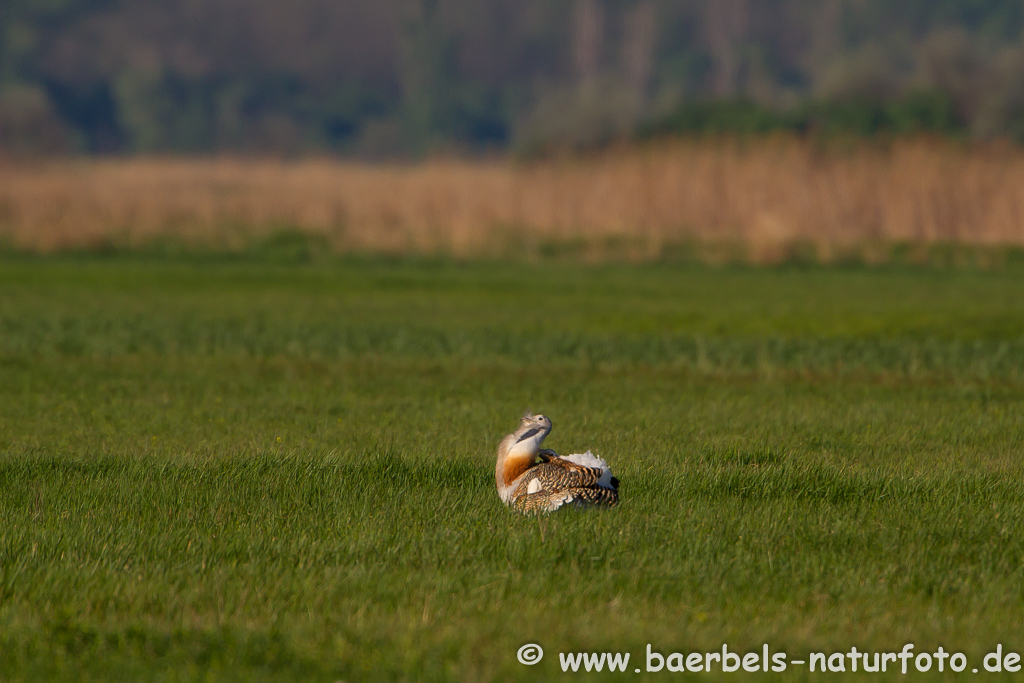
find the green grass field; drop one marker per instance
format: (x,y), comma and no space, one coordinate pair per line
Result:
(242,469)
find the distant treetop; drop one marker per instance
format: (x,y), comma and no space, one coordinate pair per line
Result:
(379,78)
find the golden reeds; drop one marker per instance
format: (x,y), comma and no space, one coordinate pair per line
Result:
(765,195)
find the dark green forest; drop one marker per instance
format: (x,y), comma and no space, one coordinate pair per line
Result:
(383,78)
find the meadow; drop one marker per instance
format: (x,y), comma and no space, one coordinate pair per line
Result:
(252,467)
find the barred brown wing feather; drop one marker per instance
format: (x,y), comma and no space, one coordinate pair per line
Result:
(542,501)
(578,474)
(557,475)
(596,495)
(556,482)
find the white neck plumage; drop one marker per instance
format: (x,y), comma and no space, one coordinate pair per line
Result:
(514,458)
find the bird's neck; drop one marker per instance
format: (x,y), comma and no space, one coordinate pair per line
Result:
(513,460)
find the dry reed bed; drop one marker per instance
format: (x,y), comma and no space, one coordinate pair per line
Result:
(764,195)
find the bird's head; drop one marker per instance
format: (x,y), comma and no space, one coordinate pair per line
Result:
(532,430)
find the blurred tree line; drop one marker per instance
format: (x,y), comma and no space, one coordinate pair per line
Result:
(403,77)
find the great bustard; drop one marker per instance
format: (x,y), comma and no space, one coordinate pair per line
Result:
(532,479)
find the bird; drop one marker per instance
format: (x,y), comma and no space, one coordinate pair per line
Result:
(531,479)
